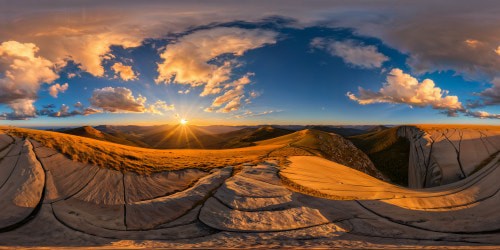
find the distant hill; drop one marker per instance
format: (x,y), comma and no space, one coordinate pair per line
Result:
(376,129)
(244,137)
(343,131)
(93,133)
(178,136)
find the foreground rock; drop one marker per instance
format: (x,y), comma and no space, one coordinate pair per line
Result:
(48,200)
(440,154)
(21,185)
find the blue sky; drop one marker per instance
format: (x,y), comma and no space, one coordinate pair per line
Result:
(290,73)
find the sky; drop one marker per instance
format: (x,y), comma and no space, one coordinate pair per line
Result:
(72,63)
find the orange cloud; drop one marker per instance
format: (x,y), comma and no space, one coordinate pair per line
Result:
(22,71)
(124,72)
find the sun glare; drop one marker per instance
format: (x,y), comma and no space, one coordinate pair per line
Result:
(183,121)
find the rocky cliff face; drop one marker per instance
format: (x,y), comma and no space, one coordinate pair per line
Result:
(440,155)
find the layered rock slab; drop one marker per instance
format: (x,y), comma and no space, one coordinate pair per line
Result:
(255,201)
(21,192)
(149,214)
(469,206)
(441,155)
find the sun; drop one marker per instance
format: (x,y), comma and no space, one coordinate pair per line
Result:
(183,121)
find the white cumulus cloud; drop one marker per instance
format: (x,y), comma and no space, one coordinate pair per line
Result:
(402,88)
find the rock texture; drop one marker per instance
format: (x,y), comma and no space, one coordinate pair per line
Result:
(440,155)
(48,200)
(465,210)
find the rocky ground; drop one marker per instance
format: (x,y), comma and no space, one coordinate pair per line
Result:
(48,200)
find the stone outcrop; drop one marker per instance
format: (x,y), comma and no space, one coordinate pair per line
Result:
(49,200)
(440,155)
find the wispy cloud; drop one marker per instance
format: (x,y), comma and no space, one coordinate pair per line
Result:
(353,53)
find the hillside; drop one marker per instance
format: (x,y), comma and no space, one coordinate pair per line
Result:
(388,152)
(280,191)
(244,137)
(181,136)
(144,160)
(343,131)
(326,145)
(116,137)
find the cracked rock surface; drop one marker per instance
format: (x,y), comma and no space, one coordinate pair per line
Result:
(441,155)
(47,200)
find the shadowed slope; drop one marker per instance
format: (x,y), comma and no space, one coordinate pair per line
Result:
(388,152)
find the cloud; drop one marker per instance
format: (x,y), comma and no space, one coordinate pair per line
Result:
(233,105)
(117,99)
(87,43)
(491,96)
(159,107)
(209,109)
(233,95)
(482,115)
(352,52)
(402,88)
(228,96)
(22,109)
(424,30)
(187,61)
(64,111)
(472,43)
(22,72)
(433,43)
(55,89)
(252,114)
(184,92)
(78,105)
(124,72)
(122,100)
(190,61)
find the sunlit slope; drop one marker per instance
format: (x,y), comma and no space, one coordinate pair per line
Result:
(143,160)
(470,205)
(136,159)
(327,145)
